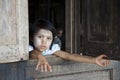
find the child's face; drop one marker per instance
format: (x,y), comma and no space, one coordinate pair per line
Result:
(42,39)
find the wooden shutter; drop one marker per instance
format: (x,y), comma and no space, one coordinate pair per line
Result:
(101,28)
(13,30)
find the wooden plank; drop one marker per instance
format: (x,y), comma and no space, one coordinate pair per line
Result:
(8,71)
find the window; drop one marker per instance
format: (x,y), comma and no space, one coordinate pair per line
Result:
(52,10)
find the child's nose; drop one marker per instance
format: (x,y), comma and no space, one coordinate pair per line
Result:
(44,41)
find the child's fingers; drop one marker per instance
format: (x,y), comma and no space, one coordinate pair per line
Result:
(45,68)
(42,68)
(49,68)
(106,62)
(37,67)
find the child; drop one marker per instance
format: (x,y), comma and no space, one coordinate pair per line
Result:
(59,39)
(42,34)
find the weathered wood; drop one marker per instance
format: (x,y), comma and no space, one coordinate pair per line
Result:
(64,70)
(8,22)
(101,28)
(13,30)
(8,71)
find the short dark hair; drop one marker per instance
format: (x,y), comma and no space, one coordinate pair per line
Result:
(41,24)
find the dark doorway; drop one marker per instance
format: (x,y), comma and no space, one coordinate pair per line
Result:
(52,10)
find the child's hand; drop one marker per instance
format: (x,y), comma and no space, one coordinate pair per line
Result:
(43,65)
(101,61)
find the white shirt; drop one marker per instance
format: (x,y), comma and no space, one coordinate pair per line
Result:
(55,47)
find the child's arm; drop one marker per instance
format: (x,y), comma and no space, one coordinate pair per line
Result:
(42,62)
(80,58)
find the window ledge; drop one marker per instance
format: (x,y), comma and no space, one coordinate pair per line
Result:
(53,60)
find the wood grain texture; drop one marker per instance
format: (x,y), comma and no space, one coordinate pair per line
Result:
(13,30)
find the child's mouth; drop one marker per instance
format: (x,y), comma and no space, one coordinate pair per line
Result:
(43,47)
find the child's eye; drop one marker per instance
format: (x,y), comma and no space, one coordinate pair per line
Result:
(49,38)
(40,36)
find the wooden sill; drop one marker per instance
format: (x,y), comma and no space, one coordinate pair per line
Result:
(53,60)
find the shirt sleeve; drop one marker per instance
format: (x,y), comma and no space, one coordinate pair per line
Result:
(30,48)
(55,48)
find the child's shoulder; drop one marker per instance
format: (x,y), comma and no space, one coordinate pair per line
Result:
(55,47)
(30,48)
